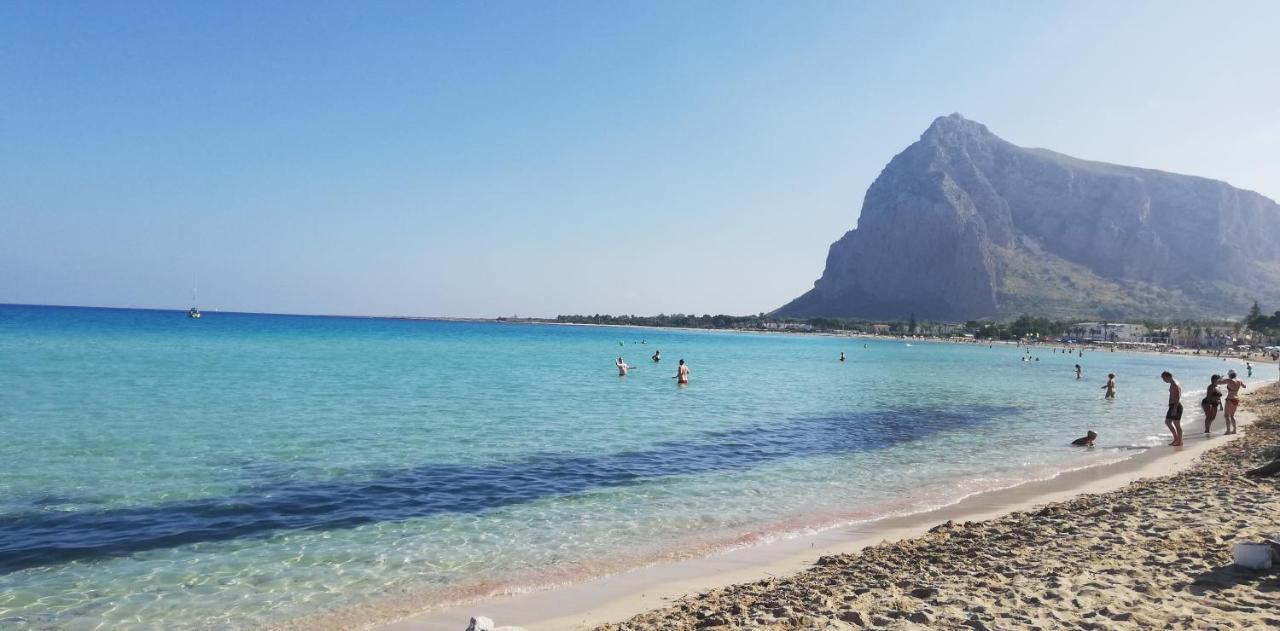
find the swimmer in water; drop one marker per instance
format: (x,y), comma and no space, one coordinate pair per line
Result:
(841,355)
(622,367)
(1086,440)
(1111,386)
(682,374)
(657,356)
(1078,371)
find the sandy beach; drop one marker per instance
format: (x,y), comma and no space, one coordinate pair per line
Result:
(1153,554)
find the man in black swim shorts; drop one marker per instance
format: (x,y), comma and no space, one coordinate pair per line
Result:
(1173,418)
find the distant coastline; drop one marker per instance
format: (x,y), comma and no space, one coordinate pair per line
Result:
(761,324)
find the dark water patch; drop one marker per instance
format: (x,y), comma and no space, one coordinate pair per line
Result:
(46,501)
(42,538)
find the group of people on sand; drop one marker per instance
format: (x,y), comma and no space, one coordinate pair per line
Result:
(682,371)
(1211,403)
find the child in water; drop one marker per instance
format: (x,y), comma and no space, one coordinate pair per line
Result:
(1086,440)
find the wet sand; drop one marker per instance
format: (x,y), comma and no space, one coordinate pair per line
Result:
(1134,544)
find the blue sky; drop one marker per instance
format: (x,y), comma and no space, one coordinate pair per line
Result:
(498,158)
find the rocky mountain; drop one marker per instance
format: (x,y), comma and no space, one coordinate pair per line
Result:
(964,225)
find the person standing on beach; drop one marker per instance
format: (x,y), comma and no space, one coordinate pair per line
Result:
(1173,418)
(1078,371)
(682,374)
(1110,387)
(622,367)
(1211,402)
(1233,399)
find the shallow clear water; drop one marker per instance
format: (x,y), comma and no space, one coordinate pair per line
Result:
(244,470)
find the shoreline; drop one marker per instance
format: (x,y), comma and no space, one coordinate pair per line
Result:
(1153,553)
(614,597)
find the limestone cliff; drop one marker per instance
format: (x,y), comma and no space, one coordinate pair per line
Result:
(963,224)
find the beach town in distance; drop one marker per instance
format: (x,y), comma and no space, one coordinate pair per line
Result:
(661,316)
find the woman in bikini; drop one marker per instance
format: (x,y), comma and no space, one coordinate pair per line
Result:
(1211,402)
(1233,399)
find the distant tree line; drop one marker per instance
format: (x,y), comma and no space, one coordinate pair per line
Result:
(1023,327)
(708,321)
(1267,325)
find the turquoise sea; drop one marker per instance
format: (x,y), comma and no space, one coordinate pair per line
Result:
(241,471)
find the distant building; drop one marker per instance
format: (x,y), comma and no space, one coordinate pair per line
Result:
(941,329)
(774,325)
(1110,332)
(1203,337)
(880,329)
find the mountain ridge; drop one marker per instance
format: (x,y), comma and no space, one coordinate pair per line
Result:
(963,224)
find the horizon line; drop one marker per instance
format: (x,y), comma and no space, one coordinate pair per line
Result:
(519,319)
(266,313)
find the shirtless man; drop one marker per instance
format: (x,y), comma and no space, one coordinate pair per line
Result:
(1111,386)
(657,356)
(841,355)
(1173,418)
(1233,399)
(682,374)
(622,367)
(1078,371)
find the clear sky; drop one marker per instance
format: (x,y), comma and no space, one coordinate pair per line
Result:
(535,158)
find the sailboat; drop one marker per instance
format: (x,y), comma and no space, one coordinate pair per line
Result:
(193,313)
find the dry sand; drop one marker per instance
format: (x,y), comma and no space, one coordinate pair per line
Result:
(1154,554)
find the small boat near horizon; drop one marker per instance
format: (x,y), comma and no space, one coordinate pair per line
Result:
(194,313)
